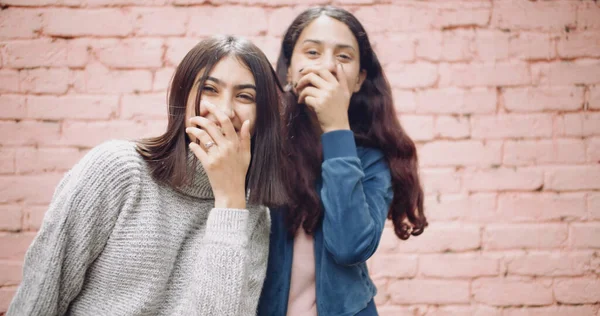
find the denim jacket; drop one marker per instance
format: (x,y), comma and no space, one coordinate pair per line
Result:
(356,192)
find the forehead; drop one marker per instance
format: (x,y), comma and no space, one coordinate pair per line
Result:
(330,31)
(231,70)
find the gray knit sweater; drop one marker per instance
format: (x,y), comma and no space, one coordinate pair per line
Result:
(116,242)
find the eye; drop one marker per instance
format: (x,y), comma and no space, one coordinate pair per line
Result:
(247,97)
(312,52)
(209,89)
(344,56)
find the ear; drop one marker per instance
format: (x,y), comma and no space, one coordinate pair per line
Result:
(361,78)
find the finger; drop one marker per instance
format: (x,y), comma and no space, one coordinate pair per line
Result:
(341,75)
(308,91)
(311,79)
(201,136)
(245,136)
(321,71)
(226,126)
(210,127)
(199,152)
(311,102)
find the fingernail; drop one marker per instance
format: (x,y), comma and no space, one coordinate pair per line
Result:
(301,69)
(295,84)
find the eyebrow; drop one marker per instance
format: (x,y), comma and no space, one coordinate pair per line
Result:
(336,45)
(238,87)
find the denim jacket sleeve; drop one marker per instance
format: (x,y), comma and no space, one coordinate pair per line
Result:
(356,196)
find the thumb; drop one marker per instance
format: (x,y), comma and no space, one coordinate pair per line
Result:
(245,136)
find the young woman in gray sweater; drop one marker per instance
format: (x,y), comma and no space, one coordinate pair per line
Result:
(176,224)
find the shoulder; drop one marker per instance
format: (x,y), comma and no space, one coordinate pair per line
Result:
(112,164)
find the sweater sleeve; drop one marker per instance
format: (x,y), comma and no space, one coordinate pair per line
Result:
(75,229)
(221,268)
(356,195)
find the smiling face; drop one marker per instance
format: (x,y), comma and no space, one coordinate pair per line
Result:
(327,42)
(230,86)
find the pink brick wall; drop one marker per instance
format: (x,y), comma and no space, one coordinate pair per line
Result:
(503,98)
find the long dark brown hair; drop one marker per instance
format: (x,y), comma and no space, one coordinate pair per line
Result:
(374,123)
(167,154)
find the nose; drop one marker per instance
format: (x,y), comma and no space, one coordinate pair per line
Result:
(330,63)
(227,108)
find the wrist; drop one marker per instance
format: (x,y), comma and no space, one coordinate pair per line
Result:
(237,201)
(335,127)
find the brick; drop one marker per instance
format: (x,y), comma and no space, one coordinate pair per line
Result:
(20,23)
(539,16)
(536,152)
(108,3)
(10,272)
(419,128)
(584,235)
(28,133)
(393,265)
(490,45)
(524,236)
(404,101)
(566,73)
(472,208)
(456,101)
(92,22)
(178,48)
(594,101)
(571,178)
(78,52)
(99,80)
(36,53)
(382,296)
(29,3)
(546,264)
(442,237)
(555,310)
(14,246)
(9,80)
(521,179)
(511,126)
(508,291)
(6,296)
(228,20)
(420,291)
(451,46)
(129,53)
(42,80)
(33,216)
(30,188)
(12,106)
(144,106)
(460,153)
(36,160)
(279,19)
(577,291)
(532,46)
(458,310)
(416,75)
(7,160)
(452,127)
(162,79)
(542,207)
(269,45)
(457,265)
(396,18)
(390,310)
(90,134)
(593,206)
(449,15)
(484,75)
(164,21)
(393,48)
(587,15)
(10,216)
(574,45)
(439,180)
(72,107)
(543,99)
(578,124)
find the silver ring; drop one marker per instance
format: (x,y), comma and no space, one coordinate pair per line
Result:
(209,144)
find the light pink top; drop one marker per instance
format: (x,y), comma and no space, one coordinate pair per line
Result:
(302,300)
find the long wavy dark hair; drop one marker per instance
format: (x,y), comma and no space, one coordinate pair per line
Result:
(374,123)
(167,154)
